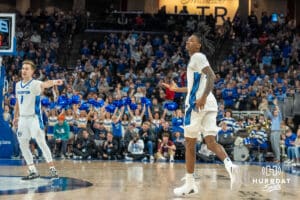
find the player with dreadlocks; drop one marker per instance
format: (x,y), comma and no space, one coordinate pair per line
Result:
(200,113)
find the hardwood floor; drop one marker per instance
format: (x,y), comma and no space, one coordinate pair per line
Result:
(135,180)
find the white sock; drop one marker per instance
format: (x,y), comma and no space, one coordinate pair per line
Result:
(52,168)
(227,162)
(190,179)
(32,168)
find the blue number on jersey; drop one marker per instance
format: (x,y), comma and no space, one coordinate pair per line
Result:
(22,99)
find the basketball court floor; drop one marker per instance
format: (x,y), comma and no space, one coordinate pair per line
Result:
(136,180)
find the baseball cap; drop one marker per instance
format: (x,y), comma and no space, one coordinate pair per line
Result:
(61,117)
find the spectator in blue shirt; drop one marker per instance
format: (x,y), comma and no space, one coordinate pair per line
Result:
(225,135)
(229,95)
(290,138)
(230,121)
(289,142)
(258,137)
(117,129)
(276,119)
(177,122)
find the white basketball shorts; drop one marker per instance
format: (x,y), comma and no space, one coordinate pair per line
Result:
(30,127)
(204,122)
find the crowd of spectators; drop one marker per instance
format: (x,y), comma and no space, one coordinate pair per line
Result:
(263,64)
(112,104)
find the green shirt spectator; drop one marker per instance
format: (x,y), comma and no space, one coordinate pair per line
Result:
(61,130)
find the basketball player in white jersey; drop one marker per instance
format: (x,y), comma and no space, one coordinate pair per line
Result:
(200,114)
(28,117)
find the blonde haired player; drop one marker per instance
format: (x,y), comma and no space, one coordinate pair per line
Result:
(200,114)
(28,117)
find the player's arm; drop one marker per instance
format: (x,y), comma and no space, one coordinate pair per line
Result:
(173,87)
(51,83)
(16,113)
(210,80)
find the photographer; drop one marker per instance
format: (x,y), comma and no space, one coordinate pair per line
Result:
(100,133)
(84,146)
(109,148)
(135,148)
(149,139)
(166,149)
(130,132)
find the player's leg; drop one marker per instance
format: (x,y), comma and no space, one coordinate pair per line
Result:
(41,141)
(23,135)
(210,129)
(190,133)
(190,154)
(215,147)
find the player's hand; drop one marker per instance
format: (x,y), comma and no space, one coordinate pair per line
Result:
(15,122)
(58,82)
(200,103)
(172,86)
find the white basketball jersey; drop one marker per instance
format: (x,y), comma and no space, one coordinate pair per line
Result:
(196,82)
(28,96)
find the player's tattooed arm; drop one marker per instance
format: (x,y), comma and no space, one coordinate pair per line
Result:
(210,80)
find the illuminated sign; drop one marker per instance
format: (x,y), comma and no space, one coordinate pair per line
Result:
(3,26)
(221,9)
(7,33)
